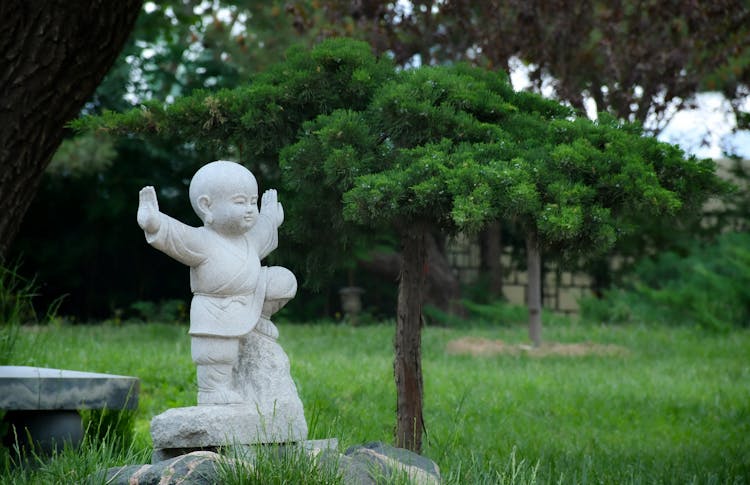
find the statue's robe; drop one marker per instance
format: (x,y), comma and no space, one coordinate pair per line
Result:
(228,284)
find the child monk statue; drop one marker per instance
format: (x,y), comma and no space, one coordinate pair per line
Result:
(231,290)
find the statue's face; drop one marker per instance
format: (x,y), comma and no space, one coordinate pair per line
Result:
(234,211)
(225,196)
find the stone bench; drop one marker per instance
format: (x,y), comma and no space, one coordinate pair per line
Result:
(45,402)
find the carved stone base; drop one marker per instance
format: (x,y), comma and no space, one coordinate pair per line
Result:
(200,427)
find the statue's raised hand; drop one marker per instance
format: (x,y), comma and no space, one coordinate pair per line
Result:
(148,210)
(271,207)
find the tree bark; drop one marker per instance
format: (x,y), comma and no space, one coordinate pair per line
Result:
(54,55)
(534,289)
(408,341)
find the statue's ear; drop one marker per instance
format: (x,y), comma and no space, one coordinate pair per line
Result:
(204,206)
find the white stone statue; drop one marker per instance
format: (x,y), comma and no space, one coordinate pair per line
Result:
(233,294)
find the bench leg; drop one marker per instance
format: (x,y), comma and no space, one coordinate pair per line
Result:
(47,429)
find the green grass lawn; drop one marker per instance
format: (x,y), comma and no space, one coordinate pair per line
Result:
(672,405)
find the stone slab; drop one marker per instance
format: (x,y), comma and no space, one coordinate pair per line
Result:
(39,388)
(221,425)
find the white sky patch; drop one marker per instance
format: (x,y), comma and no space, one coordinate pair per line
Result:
(590,105)
(519,77)
(737,144)
(404,7)
(225,15)
(519,74)
(706,131)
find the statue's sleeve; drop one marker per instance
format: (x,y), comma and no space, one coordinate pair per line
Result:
(265,236)
(179,241)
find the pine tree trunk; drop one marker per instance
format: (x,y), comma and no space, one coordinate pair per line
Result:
(534,289)
(55,54)
(408,342)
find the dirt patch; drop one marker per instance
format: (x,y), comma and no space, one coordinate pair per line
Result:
(485,347)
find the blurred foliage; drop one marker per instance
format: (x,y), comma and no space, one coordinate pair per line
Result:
(17,308)
(81,238)
(16,294)
(91,153)
(491,313)
(709,287)
(182,45)
(166,311)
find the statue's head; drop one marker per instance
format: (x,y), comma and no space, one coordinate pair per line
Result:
(225,196)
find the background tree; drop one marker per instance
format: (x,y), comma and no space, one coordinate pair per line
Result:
(54,56)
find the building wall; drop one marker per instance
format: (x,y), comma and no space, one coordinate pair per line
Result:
(561,289)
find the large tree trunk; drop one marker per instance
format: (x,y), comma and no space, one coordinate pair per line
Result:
(54,55)
(408,342)
(534,289)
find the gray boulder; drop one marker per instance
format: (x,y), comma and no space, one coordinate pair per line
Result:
(196,468)
(370,464)
(376,463)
